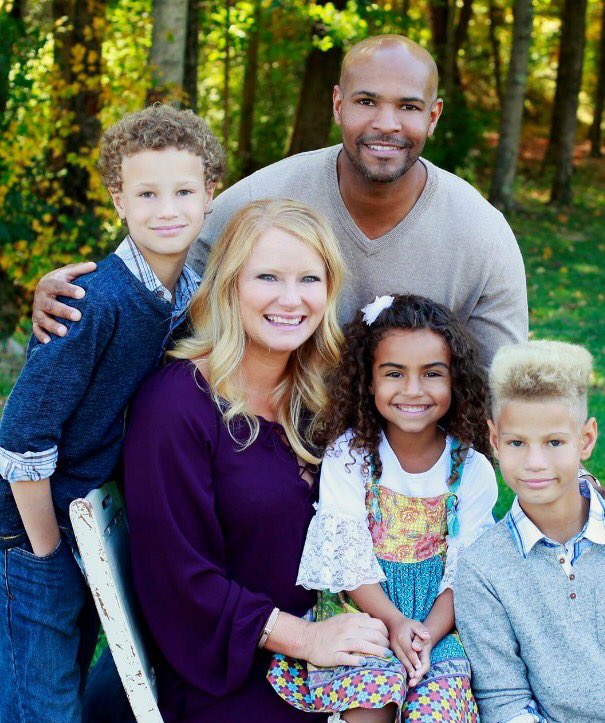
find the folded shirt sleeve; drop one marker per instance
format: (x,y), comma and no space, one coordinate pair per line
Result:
(33,466)
(205,623)
(478,495)
(338,553)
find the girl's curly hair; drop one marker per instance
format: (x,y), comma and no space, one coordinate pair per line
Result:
(352,405)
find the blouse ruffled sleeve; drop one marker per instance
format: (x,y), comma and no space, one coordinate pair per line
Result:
(338,553)
(205,623)
(478,493)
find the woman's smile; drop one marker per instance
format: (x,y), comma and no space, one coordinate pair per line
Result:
(282,292)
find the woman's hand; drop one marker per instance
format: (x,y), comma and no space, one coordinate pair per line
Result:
(344,640)
(411,643)
(46,307)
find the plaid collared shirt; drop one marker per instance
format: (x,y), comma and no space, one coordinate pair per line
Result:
(186,284)
(526,535)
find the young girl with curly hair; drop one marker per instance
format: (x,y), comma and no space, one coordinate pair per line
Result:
(405,485)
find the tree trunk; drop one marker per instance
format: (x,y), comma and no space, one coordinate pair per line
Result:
(501,191)
(448,38)
(314,110)
(568,71)
(597,120)
(167,55)
(495,21)
(79,27)
(450,66)
(12,28)
(246,124)
(192,51)
(439,11)
(461,35)
(571,59)
(226,74)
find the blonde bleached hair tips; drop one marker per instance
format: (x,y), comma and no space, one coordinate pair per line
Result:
(539,371)
(219,337)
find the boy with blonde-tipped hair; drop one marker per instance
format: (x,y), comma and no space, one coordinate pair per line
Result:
(529,593)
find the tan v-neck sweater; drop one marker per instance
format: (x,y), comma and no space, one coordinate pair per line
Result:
(452,246)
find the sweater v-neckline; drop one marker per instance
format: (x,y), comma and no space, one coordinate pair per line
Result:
(367,245)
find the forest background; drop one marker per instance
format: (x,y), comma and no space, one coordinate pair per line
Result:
(523,83)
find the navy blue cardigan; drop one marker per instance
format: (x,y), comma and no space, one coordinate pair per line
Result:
(73,392)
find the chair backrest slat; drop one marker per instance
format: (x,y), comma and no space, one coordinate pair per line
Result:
(101,530)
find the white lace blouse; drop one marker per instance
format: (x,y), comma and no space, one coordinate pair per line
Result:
(339,554)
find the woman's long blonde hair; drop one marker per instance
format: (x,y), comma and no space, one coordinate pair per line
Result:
(219,337)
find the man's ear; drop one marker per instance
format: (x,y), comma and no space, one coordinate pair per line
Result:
(118,203)
(589,437)
(337,104)
(493,437)
(436,111)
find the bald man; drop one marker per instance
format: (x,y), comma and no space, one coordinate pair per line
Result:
(404,225)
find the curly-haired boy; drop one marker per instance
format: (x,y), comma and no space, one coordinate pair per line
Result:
(61,433)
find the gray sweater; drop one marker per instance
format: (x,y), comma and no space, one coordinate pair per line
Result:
(453,246)
(532,632)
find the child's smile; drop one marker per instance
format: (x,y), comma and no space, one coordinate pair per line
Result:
(412,409)
(163,199)
(411,380)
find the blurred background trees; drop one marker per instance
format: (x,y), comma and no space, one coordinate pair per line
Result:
(514,74)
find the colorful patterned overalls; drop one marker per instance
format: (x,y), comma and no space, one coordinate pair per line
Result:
(409,536)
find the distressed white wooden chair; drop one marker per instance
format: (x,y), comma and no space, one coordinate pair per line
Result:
(101,530)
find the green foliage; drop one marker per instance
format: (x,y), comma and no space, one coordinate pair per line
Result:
(42,227)
(340,26)
(45,223)
(458,142)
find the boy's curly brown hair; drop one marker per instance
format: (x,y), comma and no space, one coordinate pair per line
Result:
(352,405)
(153,129)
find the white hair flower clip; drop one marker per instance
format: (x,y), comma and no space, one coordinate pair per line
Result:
(372,310)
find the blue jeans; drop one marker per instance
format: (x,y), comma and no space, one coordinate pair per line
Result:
(48,632)
(104,700)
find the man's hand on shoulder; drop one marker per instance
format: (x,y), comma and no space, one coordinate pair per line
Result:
(46,307)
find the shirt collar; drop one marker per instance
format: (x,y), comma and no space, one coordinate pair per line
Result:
(526,534)
(135,262)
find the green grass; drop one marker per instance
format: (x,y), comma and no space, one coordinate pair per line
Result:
(564,253)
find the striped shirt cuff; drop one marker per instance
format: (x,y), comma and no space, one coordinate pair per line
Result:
(33,466)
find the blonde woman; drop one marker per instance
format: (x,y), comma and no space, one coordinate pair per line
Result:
(221,474)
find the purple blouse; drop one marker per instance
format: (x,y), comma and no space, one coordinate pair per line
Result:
(217,534)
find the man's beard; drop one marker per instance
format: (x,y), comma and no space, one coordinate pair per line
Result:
(386,176)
